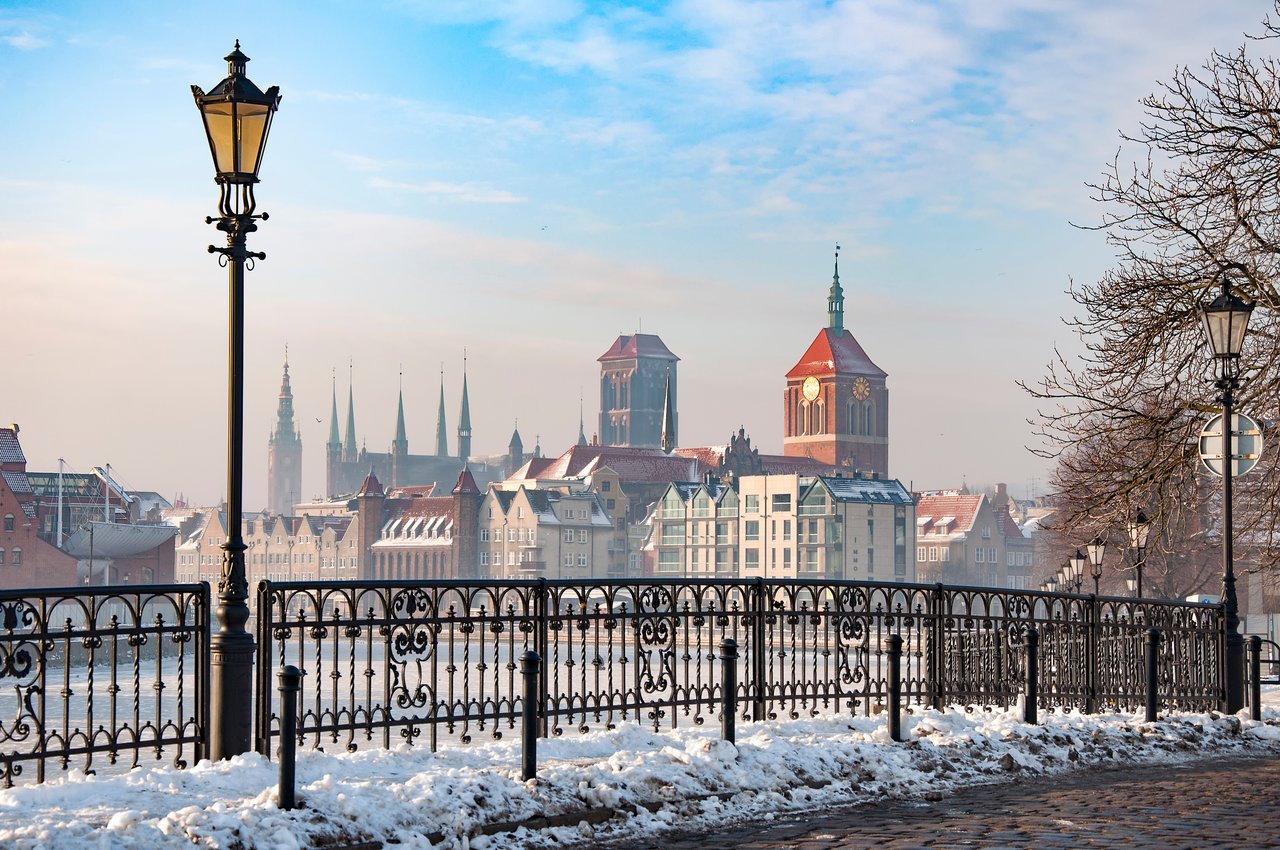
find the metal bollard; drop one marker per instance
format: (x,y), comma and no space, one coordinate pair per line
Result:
(530,664)
(290,678)
(895,687)
(1031,691)
(1255,677)
(728,689)
(1152,647)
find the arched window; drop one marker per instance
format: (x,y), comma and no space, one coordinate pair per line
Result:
(803,417)
(819,425)
(854,418)
(869,410)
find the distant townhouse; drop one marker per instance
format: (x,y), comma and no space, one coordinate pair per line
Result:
(962,538)
(544,533)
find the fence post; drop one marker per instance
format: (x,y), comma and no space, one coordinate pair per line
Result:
(1031,692)
(728,689)
(1152,647)
(290,683)
(757,653)
(938,650)
(530,665)
(542,611)
(1091,664)
(1255,677)
(895,687)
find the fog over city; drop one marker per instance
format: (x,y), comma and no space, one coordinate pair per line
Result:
(526,181)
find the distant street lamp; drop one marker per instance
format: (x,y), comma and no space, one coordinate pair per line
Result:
(1097,549)
(1226,321)
(237,117)
(1139,528)
(1077,569)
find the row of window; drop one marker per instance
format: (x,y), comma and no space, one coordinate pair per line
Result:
(812,418)
(981,555)
(15,556)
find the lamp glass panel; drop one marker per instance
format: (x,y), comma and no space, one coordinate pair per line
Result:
(253,130)
(1097,550)
(219,122)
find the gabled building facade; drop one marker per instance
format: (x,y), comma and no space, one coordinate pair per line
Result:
(963,539)
(544,533)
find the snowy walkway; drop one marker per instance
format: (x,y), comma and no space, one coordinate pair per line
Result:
(628,782)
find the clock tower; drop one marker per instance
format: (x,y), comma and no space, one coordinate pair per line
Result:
(836,405)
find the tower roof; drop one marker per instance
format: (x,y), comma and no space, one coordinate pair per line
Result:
(466,483)
(401,435)
(371,486)
(834,351)
(442,444)
(349,442)
(464,418)
(516,442)
(335,439)
(637,345)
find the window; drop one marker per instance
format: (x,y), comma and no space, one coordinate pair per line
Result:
(751,559)
(701,505)
(511,559)
(786,530)
(782,502)
(511,535)
(1009,558)
(751,504)
(980,556)
(606,486)
(722,532)
(922,554)
(810,562)
(484,558)
(1,556)
(871,530)
(672,533)
(871,561)
(752,530)
(17,556)
(611,504)
(582,560)
(722,561)
(669,561)
(8,522)
(991,555)
(568,560)
(582,535)
(519,511)
(484,535)
(933,553)
(786,559)
(568,535)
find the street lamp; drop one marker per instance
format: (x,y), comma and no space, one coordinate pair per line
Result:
(1226,321)
(1097,549)
(1139,528)
(237,117)
(1077,568)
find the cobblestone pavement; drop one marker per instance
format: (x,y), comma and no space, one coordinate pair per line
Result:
(1197,805)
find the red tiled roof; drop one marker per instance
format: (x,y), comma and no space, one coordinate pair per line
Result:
(708,457)
(963,508)
(425,506)
(631,464)
(637,345)
(835,351)
(466,483)
(415,492)
(797,465)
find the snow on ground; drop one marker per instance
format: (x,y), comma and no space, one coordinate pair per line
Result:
(651,781)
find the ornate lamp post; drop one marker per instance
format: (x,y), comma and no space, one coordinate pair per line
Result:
(1077,569)
(1097,549)
(1226,321)
(1139,528)
(237,117)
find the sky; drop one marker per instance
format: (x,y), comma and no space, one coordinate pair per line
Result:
(524,180)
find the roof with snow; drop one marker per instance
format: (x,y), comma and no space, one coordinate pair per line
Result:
(637,345)
(631,464)
(834,351)
(867,490)
(10,448)
(936,514)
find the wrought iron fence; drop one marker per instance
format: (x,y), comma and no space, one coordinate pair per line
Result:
(111,674)
(415,662)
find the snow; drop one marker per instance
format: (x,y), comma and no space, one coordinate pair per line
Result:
(651,781)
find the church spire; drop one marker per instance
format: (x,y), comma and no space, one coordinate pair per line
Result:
(401,442)
(582,435)
(442,442)
(335,439)
(668,417)
(464,419)
(835,299)
(349,441)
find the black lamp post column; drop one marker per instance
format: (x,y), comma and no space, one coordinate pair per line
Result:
(237,117)
(1226,321)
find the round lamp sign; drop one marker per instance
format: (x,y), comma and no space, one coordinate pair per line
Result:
(1246,445)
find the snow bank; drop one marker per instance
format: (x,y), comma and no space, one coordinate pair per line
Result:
(627,780)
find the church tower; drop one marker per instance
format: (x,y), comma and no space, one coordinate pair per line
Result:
(637,376)
(284,454)
(836,404)
(464,419)
(442,444)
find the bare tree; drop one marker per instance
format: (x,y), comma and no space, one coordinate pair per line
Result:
(1193,195)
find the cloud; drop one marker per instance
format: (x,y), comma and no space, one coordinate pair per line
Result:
(476,193)
(25,41)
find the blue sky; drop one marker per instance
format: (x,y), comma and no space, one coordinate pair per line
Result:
(525,180)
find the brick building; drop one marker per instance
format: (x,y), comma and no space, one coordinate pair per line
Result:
(26,560)
(963,538)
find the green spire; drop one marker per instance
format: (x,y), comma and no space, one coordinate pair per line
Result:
(582,436)
(464,419)
(335,440)
(442,444)
(402,439)
(835,299)
(668,417)
(349,442)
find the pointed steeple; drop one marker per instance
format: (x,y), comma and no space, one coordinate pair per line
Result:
(668,417)
(442,443)
(284,409)
(335,439)
(349,451)
(835,299)
(516,442)
(582,435)
(537,445)
(464,418)
(401,443)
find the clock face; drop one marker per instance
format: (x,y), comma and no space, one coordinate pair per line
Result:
(861,389)
(810,388)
